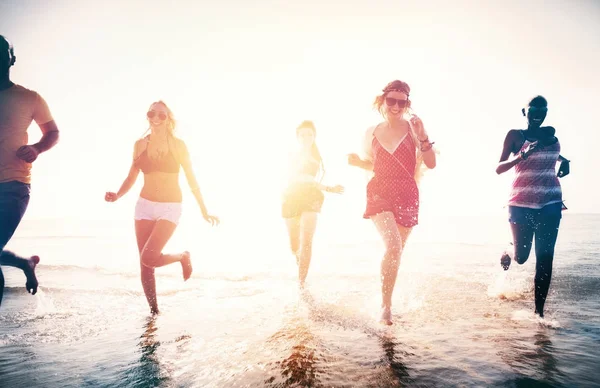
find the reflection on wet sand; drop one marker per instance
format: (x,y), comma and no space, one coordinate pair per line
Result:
(147,371)
(308,362)
(534,360)
(299,368)
(397,375)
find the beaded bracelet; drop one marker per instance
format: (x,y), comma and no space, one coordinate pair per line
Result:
(428,148)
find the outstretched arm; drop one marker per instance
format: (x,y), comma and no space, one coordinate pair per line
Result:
(366,162)
(193,182)
(338,189)
(128,183)
(357,161)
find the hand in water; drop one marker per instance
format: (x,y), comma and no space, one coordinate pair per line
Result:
(564,169)
(212,220)
(337,189)
(354,160)
(111,197)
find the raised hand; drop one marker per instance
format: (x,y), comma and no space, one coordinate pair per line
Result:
(417,125)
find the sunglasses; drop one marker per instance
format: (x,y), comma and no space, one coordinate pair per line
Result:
(536,109)
(391,101)
(152,113)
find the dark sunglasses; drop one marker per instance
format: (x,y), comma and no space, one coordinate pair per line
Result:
(391,101)
(152,113)
(535,109)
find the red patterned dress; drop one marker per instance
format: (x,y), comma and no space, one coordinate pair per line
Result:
(393,187)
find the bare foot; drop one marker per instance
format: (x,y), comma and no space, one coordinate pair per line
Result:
(32,283)
(386,316)
(186,265)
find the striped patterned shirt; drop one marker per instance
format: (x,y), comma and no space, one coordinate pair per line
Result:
(536,184)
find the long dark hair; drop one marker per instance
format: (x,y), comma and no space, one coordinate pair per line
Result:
(314,151)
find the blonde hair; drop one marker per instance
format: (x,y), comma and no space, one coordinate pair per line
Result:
(171,123)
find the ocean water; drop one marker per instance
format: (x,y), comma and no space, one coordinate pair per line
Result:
(241,321)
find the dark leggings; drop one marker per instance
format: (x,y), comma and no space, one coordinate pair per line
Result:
(545,231)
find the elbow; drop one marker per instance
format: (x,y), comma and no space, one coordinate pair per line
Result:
(499,170)
(132,177)
(53,134)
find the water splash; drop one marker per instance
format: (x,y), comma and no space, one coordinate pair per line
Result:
(510,286)
(45,304)
(529,316)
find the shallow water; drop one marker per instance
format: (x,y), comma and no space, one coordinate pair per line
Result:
(241,321)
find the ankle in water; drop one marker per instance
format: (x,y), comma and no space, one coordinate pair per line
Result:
(386,315)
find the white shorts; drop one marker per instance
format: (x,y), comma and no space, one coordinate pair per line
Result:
(154,211)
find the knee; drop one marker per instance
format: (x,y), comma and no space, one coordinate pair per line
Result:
(149,258)
(306,245)
(521,259)
(7,255)
(393,251)
(522,254)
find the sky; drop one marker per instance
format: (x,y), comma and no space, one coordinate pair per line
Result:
(241,75)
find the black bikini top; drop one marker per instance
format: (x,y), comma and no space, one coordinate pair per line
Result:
(166,163)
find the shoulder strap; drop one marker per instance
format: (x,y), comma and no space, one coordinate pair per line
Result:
(523,134)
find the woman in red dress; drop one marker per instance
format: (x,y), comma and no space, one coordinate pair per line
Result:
(394,150)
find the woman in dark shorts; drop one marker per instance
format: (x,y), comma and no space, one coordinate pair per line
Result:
(535,202)
(394,151)
(303,196)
